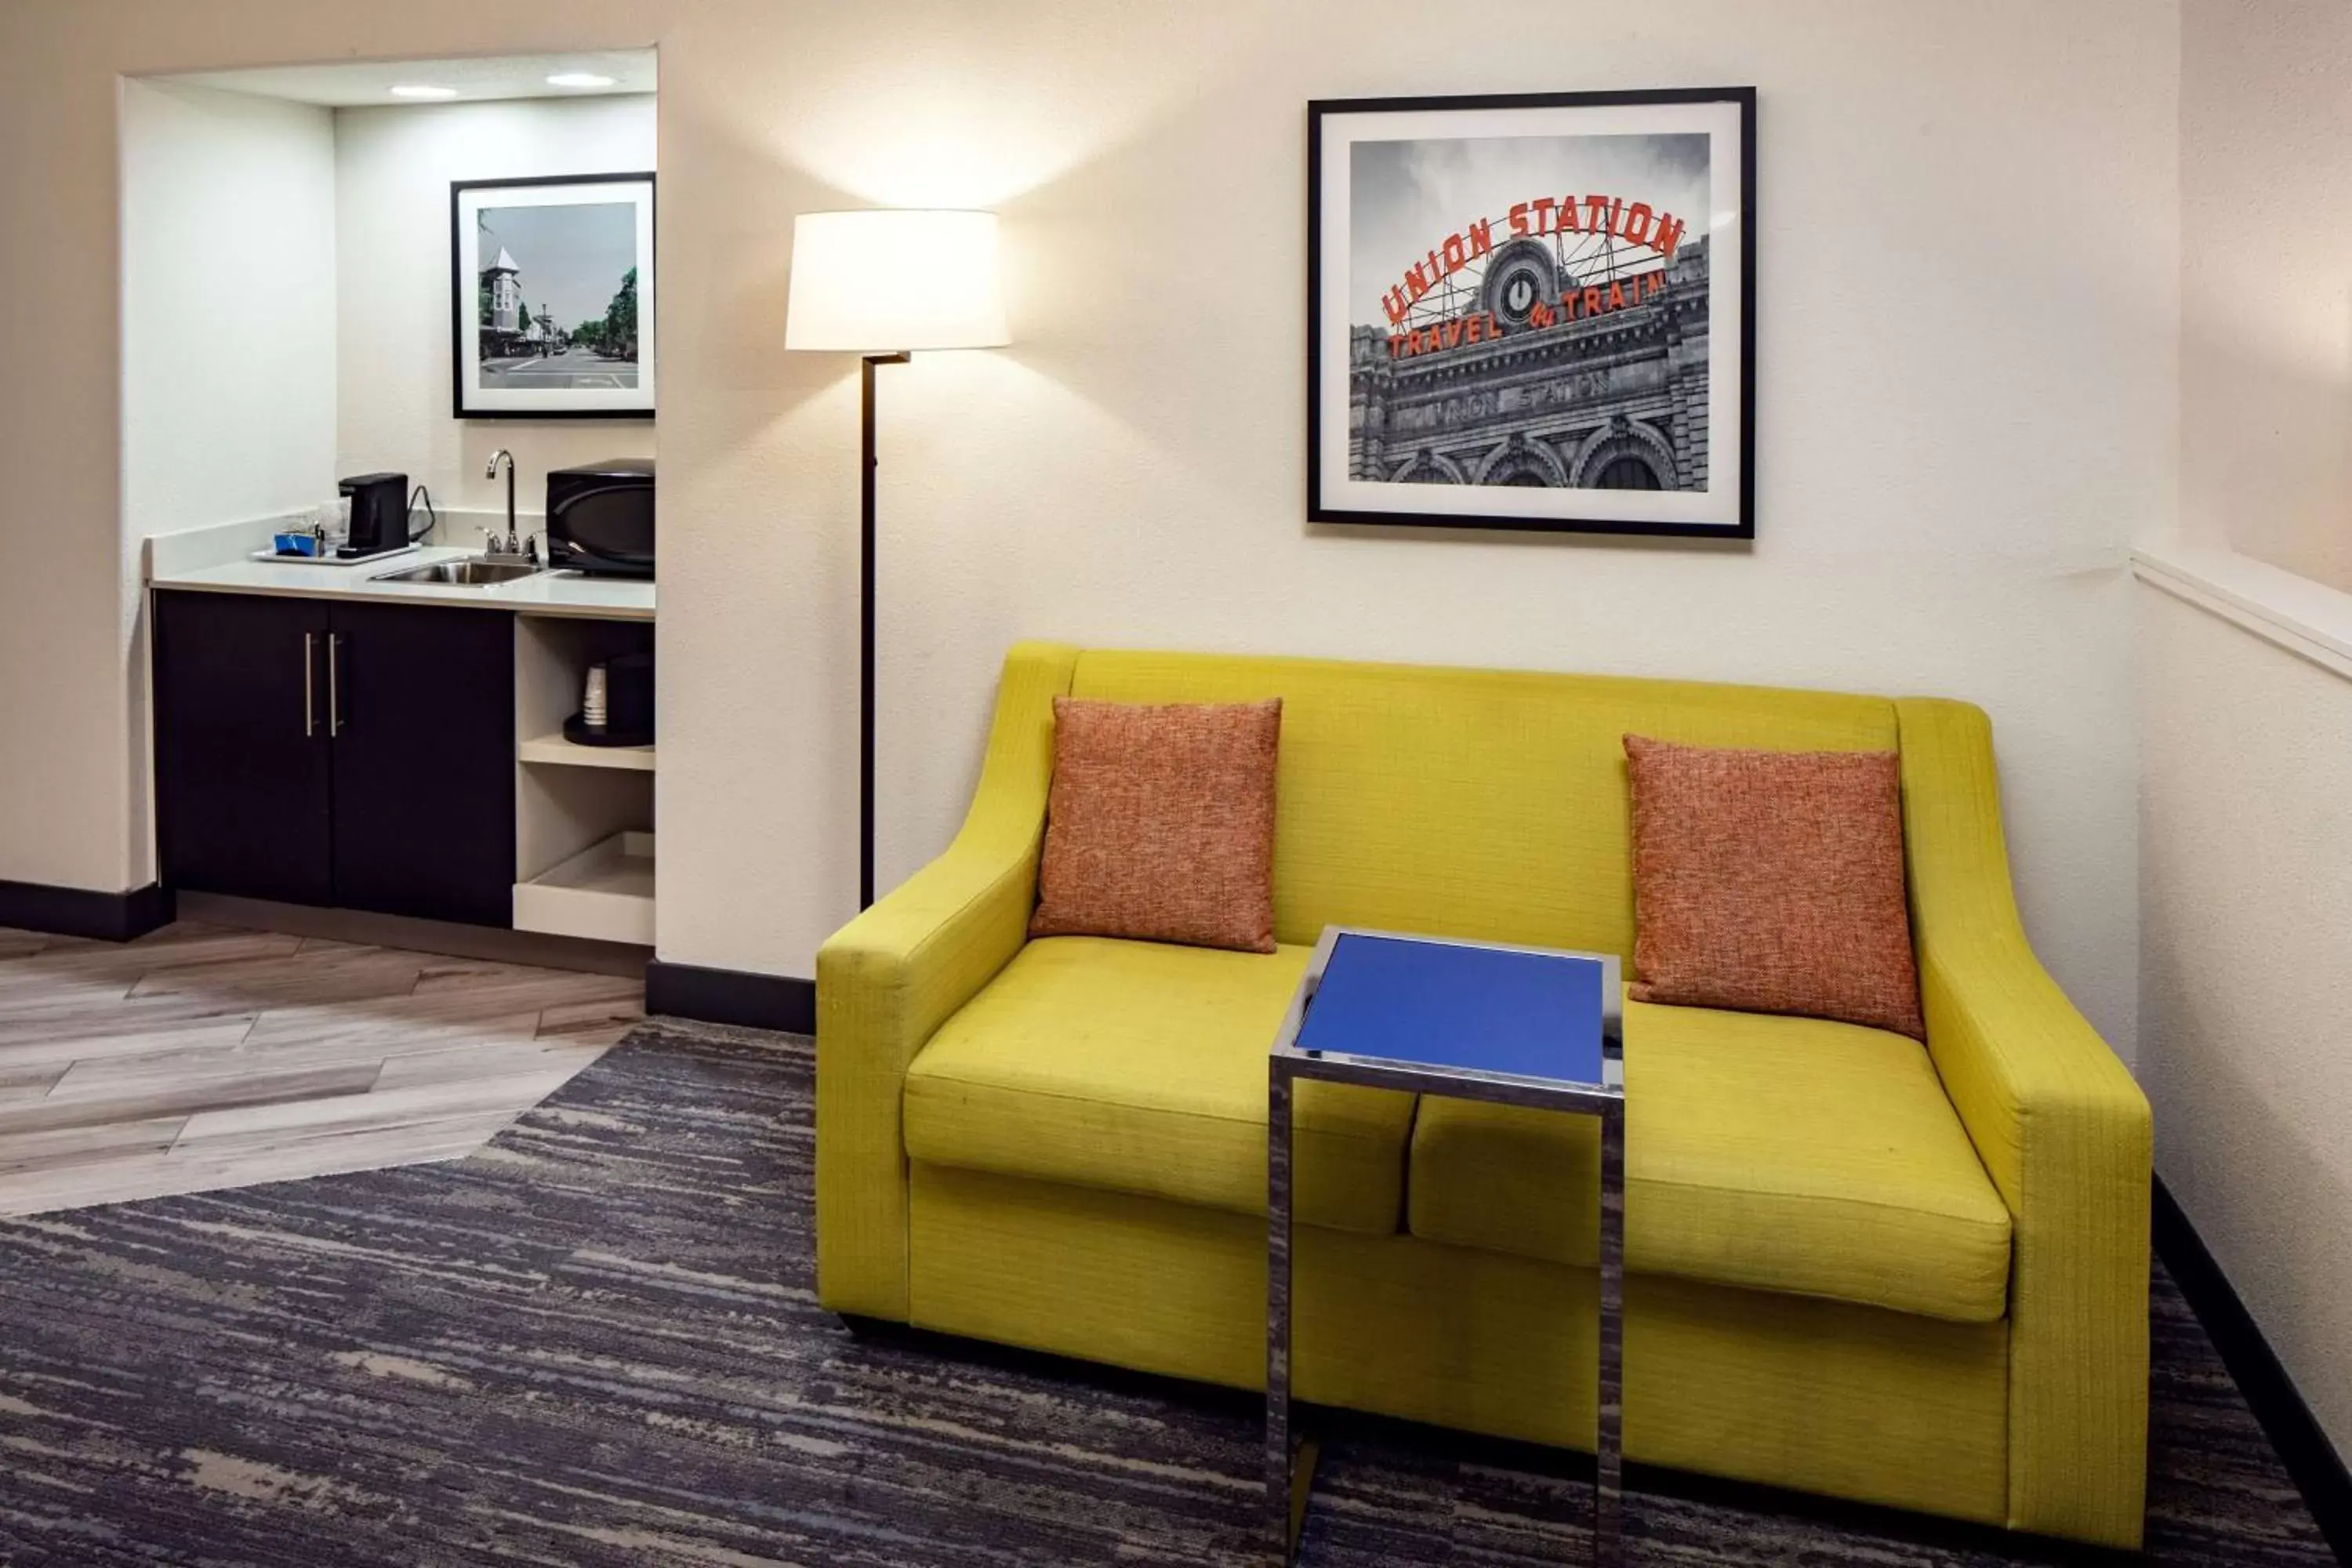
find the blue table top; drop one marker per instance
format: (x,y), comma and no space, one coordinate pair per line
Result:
(1447,1004)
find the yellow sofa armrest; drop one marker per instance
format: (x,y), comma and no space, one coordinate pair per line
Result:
(887,980)
(2061,1128)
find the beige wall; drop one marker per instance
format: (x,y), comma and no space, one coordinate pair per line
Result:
(1967,296)
(2266,282)
(1968,283)
(2246,973)
(66,803)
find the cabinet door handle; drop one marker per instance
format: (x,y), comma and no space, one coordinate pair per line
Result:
(309,696)
(334,688)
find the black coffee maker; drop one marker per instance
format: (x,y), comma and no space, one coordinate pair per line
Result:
(379,514)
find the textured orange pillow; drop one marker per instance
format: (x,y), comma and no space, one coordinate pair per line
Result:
(1159,825)
(1772,882)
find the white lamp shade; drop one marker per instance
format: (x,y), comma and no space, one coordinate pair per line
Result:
(879,281)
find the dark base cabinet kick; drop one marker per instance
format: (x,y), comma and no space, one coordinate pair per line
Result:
(354,754)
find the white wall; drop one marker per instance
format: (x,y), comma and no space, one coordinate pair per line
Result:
(1967,310)
(393,166)
(228,307)
(2246,973)
(2246,821)
(2266,282)
(228,334)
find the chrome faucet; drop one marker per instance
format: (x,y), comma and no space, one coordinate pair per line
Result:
(513,545)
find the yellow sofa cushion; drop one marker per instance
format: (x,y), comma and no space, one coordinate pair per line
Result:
(1776,1153)
(1141,1067)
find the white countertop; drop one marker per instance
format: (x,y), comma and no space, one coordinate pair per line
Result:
(545,594)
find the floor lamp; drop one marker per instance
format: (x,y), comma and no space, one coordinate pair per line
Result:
(885,284)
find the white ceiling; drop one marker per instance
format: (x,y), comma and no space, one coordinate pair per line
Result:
(355,84)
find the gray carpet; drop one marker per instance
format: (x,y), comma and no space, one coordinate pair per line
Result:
(596,1343)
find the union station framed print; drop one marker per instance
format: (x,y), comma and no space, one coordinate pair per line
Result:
(1534,312)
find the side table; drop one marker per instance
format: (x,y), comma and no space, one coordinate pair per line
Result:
(1517,1025)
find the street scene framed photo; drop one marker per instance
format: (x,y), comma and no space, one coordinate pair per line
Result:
(1534,312)
(551,295)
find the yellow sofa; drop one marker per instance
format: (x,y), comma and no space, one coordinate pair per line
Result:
(1916,1278)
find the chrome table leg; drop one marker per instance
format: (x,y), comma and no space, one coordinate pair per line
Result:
(1279,1513)
(1608,1447)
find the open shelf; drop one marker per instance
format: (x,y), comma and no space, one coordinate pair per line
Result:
(583,853)
(554,748)
(605,892)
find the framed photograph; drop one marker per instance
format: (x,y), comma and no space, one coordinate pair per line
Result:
(1534,312)
(552,297)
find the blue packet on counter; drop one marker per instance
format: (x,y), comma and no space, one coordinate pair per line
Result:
(303,544)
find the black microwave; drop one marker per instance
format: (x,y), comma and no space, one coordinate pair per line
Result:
(600,518)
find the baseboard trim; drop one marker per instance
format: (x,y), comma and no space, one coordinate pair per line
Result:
(2302,1445)
(732,996)
(80,911)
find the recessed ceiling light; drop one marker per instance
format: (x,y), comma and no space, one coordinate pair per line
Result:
(420,91)
(579,79)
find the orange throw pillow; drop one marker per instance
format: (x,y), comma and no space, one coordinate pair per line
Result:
(1772,882)
(1159,826)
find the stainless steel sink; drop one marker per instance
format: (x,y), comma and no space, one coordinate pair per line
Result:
(462,573)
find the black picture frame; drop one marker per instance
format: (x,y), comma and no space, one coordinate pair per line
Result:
(468,398)
(1368,482)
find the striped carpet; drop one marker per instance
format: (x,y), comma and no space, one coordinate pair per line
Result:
(593,1343)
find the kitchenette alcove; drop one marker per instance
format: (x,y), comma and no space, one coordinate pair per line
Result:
(389,279)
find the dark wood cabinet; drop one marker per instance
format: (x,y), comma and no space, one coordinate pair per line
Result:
(244,768)
(355,754)
(425,784)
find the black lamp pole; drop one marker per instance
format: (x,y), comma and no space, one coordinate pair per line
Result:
(865,652)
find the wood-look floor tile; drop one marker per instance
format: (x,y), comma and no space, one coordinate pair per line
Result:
(587,983)
(116,1179)
(51,939)
(20,1081)
(160,1174)
(596,1017)
(53,1148)
(443,968)
(513,988)
(99,966)
(127,1076)
(334,945)
(418,1022)
(603,1036)
(45,982)
(87,1038)
(523,1058)
(355,976)
(313,1148)
(101,1091)
(206,1056)
(39,1008)
(271,1126)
